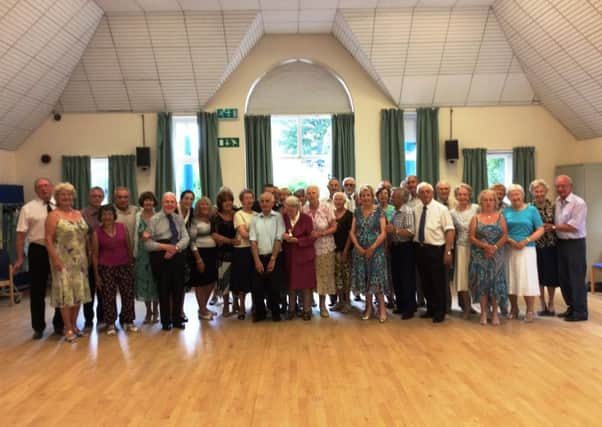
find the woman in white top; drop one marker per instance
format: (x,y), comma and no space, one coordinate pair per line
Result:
(462,215)
(243,267)
(202,246)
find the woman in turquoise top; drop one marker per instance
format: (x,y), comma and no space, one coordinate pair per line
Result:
(524,228)
(383,196)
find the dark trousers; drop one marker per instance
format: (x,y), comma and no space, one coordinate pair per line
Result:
(89,306)
(169,274)
(39,272)
(403,272)
(572,268)
(267,285)
(429,260)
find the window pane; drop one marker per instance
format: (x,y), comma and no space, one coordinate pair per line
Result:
(499,168)
(409,131)
(99,171)
(314,164)
(284,136)
(316,136)
(185,145)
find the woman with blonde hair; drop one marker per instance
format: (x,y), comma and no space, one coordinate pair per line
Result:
(66,238)
(487,275)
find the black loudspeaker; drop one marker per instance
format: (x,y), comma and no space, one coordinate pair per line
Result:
(451,150)
(143,157)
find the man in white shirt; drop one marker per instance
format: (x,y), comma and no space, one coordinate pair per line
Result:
(434,240)
(333,187)
(570,213)
(126,213)
(411,184)
(31,226)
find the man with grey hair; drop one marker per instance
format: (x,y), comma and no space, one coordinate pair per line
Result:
(126,213)
(400,232)
(90,214)
(570,214)
(434,239)
(443,191)
(265,235)
(349,189)
(31,226)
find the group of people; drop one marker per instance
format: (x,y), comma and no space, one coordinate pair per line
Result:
(398,247)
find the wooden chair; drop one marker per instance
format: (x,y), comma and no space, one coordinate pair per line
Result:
(6,275)
(592,282)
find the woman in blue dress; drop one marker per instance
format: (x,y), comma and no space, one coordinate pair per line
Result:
(487,274)
(369,272)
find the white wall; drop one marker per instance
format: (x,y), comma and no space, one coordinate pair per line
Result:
(8,170)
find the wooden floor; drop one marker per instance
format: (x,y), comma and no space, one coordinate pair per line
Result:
(328,372)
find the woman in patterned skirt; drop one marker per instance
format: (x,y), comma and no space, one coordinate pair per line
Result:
(487,272)
(145,285)
(66,236)
(547,267)
(369,274)
(113,268)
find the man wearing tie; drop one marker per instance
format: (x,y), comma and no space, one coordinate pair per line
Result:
(570,214)
(168,238)
(434,240)
(32,226)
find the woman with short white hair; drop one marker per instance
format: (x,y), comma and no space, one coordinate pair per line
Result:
(525,227)
(547,267)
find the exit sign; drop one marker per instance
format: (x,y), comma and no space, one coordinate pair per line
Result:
(227,113)
(228,142)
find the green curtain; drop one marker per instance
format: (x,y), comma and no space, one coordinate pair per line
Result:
(392,146)
(164,174)
(210,169)
(122,173)
(343,145)
(76,170)
(475,170)
(427,145)
(258,144)
(523,167)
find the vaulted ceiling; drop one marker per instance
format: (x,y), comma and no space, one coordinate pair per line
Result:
(157,55)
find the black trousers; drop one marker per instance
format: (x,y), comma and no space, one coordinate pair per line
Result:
(403,272)
(39,273)
(572,268)
(429,260)
(267,286)
(89,306)
(169,274)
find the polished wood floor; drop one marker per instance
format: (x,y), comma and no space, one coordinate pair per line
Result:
(328,372)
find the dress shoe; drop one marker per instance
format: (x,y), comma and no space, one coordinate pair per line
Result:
(166,327)
(180,326)
(184,318)
(426,315)
(406,316)
(38,335)
(576,318)
(565,313)
(438,318)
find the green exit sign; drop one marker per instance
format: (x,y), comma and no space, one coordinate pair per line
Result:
(227,113)
(228,142)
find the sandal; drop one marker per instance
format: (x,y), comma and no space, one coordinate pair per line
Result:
(70,336)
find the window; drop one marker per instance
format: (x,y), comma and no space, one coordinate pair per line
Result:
(185,146)
(499,167)
(301,151)
(409,132)
(99,175)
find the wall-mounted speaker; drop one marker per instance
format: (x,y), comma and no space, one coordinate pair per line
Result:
(143,157)
(451,150)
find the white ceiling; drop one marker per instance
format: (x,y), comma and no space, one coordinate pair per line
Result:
(157,55)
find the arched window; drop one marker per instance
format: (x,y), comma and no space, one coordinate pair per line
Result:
(300,97)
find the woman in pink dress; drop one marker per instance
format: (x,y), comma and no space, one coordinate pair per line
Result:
(300,255)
